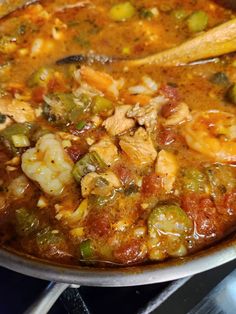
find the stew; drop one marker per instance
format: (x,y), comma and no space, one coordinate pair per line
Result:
(102,163)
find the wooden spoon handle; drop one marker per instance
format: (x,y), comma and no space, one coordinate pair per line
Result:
(215,42)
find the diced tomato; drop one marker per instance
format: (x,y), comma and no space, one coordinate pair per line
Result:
(202,211)
(166,136)
(98,224)
(123,173)
(170,92)
(130,252)
(77,150)
(168,109)
(38,93)
(227,204)
(151,185)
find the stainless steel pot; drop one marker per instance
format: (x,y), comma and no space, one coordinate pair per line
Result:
(217,255)
(65,275)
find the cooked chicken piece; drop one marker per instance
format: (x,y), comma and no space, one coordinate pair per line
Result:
(102,184)
(119,123)
(19,111)
(139,147)
(167,168)
(181,114)
(147,115)
(106,150)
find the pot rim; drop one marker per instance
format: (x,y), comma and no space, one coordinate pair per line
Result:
(117,277)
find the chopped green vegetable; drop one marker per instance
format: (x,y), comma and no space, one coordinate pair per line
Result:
(26,222)
(41,77)
(52,241)
(197,22)
(131,189)
(221,178)
(18,129)
(86,249)
(20,140)
(122,11)
(95,201)
(169,219)
(81,125)
(3,118)
(194,180)
(146,14)
(101,104)
(63,107)
(231,94)
(88,163)
(219,78)
(126,50)
(7,44)
(179,14)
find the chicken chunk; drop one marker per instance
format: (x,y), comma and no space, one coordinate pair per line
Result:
(119,123)
(167,168)
(139,147)
(147,115)
(48,165)
(19,111)
(106,150)
(99,184)
(181,114)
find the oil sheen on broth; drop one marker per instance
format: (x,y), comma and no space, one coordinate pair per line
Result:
(110,164)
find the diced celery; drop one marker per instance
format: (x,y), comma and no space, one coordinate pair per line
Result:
(26,222)
(81,125)
(88,163)
(179,14)
(193,180)
(20,140)
(46,236)
(231,94)
(67,99)
(101,104)
(222,178)
(146,14)
(219,78)
(86,249)
(169,219)
(126,50)
(17,129)
(122,11)
(41,77)
(197,21)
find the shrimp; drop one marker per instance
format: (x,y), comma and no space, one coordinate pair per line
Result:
(48,165)
(99,80)
(212,133)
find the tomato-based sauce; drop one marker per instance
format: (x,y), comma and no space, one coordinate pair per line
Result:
(101,162)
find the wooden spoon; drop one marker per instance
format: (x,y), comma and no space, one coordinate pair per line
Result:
(217,41)
(213,43)
(8,6)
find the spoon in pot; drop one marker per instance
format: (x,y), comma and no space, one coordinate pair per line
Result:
(217,41)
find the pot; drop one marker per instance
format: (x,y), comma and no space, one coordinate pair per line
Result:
(64,275)
(214,256)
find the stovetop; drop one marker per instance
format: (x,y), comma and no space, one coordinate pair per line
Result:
(189,295)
